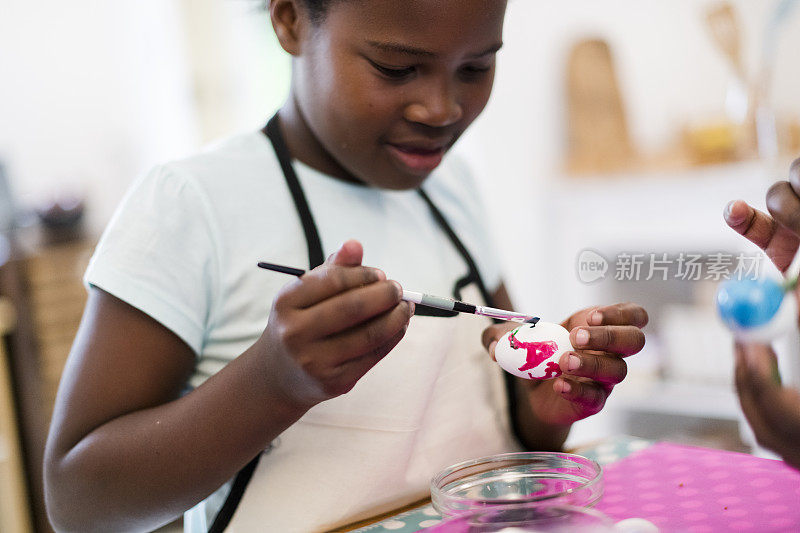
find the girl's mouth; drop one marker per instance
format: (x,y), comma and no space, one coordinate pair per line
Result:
(416,158)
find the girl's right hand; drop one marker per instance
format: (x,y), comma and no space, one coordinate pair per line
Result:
(330,326)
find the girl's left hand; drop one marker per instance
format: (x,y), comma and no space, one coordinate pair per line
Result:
(602,336)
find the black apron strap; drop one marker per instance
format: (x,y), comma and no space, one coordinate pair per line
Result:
(240,482)
(315,258)
(475,275)
(315,254)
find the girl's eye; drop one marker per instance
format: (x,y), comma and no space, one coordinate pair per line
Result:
(393,73)
(473,72)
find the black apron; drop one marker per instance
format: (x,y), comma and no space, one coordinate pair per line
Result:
(316,258)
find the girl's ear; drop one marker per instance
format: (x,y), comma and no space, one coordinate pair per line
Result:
(287,21)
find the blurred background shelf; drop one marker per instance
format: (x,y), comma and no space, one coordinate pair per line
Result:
(15,515)
(679,209)
(679,398)
(685,373)
(42,280)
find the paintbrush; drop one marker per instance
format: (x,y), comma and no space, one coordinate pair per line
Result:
(439,302)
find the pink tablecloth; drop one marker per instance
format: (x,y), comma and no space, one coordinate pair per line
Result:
(699,490)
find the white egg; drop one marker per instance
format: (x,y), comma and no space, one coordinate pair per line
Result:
(532,351)
(636,525)
(782,323)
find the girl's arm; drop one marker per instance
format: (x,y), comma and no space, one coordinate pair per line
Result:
(126,453)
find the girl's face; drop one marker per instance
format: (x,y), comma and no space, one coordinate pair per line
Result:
(387,86)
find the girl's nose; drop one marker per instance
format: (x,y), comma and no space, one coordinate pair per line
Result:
(437,108)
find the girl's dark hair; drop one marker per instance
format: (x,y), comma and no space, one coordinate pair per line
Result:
(316,8)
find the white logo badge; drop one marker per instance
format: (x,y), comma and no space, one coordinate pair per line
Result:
(591,266)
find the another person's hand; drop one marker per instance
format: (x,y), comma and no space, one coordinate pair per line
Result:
(330,326)
(779,234)
(602,336)
(773,411)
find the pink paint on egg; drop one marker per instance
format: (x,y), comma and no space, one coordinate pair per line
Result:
(535,352)
(532,351)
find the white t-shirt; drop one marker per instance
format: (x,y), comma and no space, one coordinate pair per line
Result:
(184,243)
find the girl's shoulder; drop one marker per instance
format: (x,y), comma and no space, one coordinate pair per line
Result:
(228,161)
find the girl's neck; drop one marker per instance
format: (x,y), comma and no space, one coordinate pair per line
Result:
(304,146)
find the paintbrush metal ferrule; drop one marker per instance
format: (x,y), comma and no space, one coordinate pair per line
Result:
(502,314)
(439,302)
(449,304)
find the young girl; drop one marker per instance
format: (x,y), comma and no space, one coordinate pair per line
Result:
(261,403)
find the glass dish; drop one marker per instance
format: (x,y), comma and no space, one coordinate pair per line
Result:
(517,478)
(538,517)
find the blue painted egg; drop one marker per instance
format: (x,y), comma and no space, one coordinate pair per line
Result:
(749,303)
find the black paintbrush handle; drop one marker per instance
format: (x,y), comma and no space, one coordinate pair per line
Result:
(283,269)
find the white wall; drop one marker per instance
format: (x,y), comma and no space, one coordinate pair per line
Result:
(89,92)
(669,70)
(94,92)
